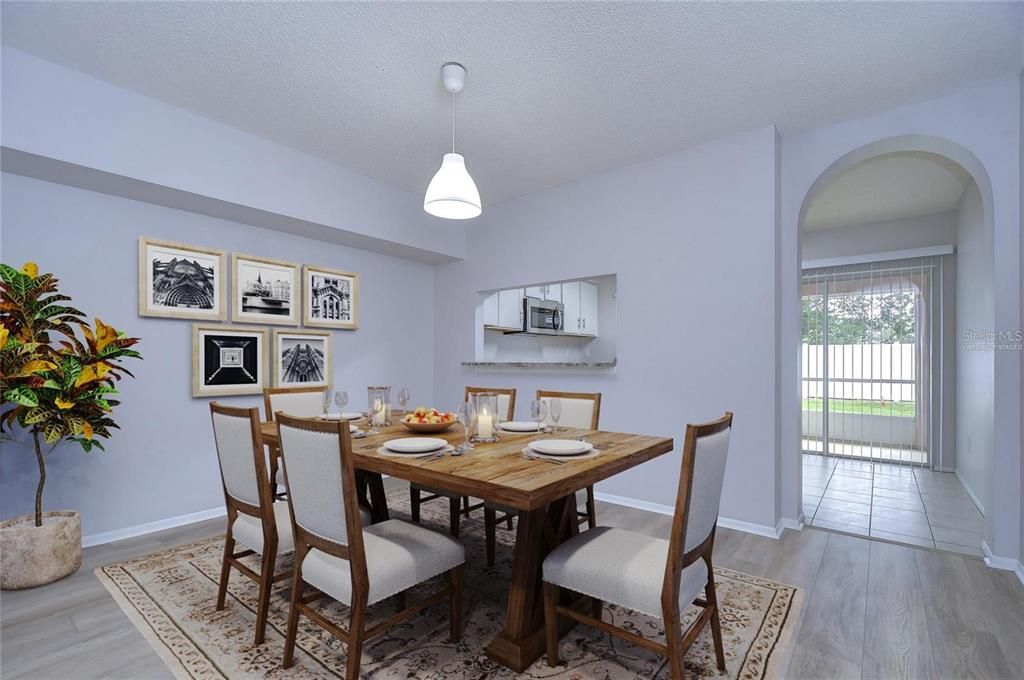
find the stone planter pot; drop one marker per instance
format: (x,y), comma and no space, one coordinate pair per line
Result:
(32,556)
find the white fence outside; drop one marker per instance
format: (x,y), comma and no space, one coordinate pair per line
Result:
(868,372)
(880,372)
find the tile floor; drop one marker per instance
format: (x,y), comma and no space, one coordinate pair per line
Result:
(893,502)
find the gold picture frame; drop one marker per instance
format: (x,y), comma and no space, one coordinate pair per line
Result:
(265,290)
(182,281)
(302,370)
(330,298)
(240,364)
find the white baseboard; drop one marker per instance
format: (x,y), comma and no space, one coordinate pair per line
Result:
(997,562)
(738,525)
(1020,572)
(150,527)
(790,523)
(967,488)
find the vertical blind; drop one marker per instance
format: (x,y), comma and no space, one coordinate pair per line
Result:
(870,361)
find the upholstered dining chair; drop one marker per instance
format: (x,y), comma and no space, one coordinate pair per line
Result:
(262,526)
(305,402)
(506,405)
(651,575)
(340,558)
(579,410)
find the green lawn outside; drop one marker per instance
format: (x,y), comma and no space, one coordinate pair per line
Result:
(906,409)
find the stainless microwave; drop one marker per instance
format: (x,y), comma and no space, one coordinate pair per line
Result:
(542,316)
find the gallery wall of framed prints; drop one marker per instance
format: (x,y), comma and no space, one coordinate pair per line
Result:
(181,281)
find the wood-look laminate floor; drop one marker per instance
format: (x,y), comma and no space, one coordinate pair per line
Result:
(871,609)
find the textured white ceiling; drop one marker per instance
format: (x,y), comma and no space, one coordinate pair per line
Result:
(888,187)
(554,91)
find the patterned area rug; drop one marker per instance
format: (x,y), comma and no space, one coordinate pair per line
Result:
(170,595)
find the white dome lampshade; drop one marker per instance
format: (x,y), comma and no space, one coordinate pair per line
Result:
(452,193)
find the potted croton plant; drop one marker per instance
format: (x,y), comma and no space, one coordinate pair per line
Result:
(56,389)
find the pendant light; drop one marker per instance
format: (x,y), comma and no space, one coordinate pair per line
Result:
(452,193)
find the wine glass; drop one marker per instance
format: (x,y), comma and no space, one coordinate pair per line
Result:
(465,413)
(555,407)
(328,397)
(340,399)
(538,411)
(403,398)
(376,414)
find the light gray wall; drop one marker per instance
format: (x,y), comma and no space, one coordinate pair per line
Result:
(162,463)
(879,237)
(978,127)
(691,237)
(88,132)
(975,371)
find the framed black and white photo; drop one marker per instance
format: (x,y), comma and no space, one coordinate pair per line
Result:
(228,360)
(302,358)
(265,290)
(181,281)
(331,298)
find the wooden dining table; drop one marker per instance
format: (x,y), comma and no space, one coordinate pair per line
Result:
(542,493)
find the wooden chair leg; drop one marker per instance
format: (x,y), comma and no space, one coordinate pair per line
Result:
(293,614)
(490,529)
(455,579)
(266,584)
(453,520)
(465,506)
(355,639)
(716,622)
(551,623)
(591,509)
(225,570)
(508,521)
(674,642)
(414,500)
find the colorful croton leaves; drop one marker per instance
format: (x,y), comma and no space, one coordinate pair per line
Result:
(52,382)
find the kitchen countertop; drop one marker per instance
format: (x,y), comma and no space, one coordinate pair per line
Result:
(540,364)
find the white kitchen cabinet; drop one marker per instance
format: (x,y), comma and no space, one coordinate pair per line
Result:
(588,308)
(552,292)
(491,317)
(510,309)
(571,303)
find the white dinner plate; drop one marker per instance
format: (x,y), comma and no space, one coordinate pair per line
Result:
(340,416)
(519,426)
(426,454)
(415,444)
(560,447)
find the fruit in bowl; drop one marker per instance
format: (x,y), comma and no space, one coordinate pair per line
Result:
(428,420)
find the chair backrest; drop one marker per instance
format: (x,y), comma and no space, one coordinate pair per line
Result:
(239,442)
(700,488)
(304,402)
(579,409)
(506,399)
(317,460)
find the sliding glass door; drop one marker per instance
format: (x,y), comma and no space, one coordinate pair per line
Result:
(866,357)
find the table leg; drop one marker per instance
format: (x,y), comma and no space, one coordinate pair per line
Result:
(370,487)
(538,533)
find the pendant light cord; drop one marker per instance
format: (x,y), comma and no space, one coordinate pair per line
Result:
(453,122)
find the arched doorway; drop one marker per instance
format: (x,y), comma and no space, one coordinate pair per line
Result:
(873,476)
